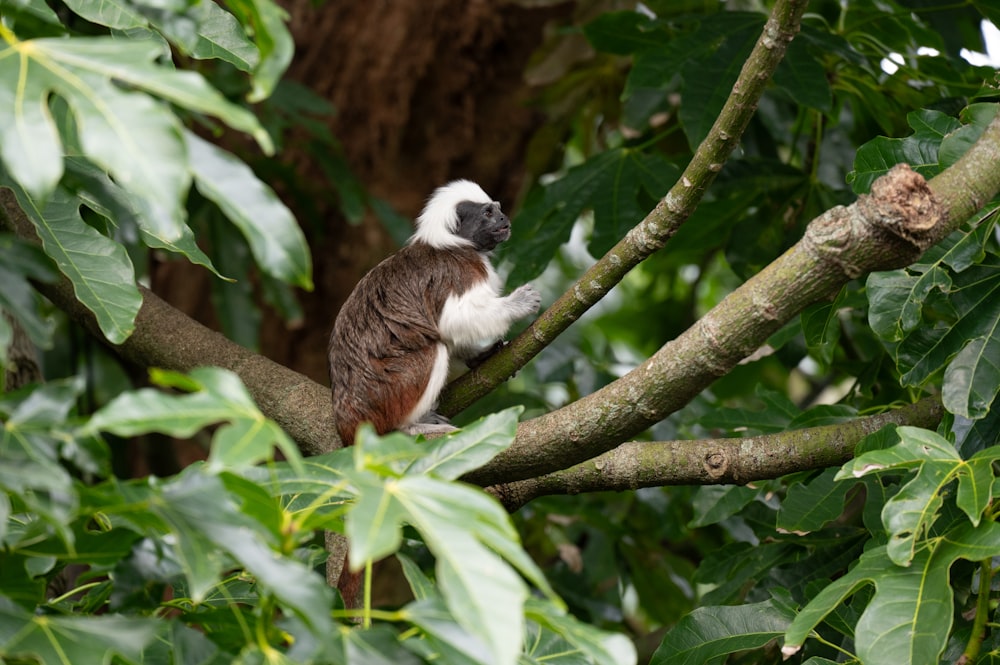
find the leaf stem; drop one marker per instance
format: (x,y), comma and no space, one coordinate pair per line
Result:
(982,614)
(80,589)
(8,35)
(366,617)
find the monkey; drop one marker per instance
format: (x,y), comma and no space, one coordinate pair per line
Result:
(436,302)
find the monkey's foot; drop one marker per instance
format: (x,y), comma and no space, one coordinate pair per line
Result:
(429,430)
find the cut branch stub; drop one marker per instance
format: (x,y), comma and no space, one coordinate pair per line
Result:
(887,229)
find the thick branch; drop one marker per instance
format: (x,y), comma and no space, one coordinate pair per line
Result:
(888,229)
(715,461)
(659,225)
(166,337)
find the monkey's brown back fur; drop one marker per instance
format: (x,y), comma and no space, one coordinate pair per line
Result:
(385,338)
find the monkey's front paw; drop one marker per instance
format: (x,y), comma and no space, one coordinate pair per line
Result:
(526,299)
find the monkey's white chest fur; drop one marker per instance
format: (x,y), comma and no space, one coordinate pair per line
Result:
(469,324)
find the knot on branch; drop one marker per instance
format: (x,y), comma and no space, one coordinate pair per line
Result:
(716,464)
(902,203)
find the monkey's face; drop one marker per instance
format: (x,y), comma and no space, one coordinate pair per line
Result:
(482,223)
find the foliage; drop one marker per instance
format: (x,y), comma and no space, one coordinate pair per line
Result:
(242,575)
(887,560)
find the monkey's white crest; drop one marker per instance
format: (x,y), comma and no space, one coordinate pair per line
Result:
(438,222)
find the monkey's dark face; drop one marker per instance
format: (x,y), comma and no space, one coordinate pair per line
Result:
(482,223)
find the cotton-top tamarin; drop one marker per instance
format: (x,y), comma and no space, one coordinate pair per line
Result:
(436,300)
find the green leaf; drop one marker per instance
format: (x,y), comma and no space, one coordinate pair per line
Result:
(972,377)
(895,299)
(712,632)
(451,456)
(421,585)
(464,528)
(777,414)
(821,328)
(207,542)
(273,41)
(976,117)
(221,36)
(910,615)
(89,640)
(919,150)
(118,15)
(708,81)
(728,572)
(127,133)
(275,239)
(692,40)
(811,505)
(121,209)
(99,269)
(598,646)
(19,262)
(611,184)
(910,513)
(802,75)
(484,594)
(975,296)
(34,423)
(624,33)
(714,503)
(247,439)
(450,641)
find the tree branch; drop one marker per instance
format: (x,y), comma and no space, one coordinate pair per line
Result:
(715,461)
(652,233)
(890,228)
(166,337)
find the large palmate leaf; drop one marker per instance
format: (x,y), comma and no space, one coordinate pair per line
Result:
(910,615)
(472,540)
(123,210)
(246,439)
(200,29)
(128,132)
(964,343)
(911,512)
(101,272)
(212,523)
(479,559)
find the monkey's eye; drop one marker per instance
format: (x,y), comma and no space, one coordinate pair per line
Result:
(489,212)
